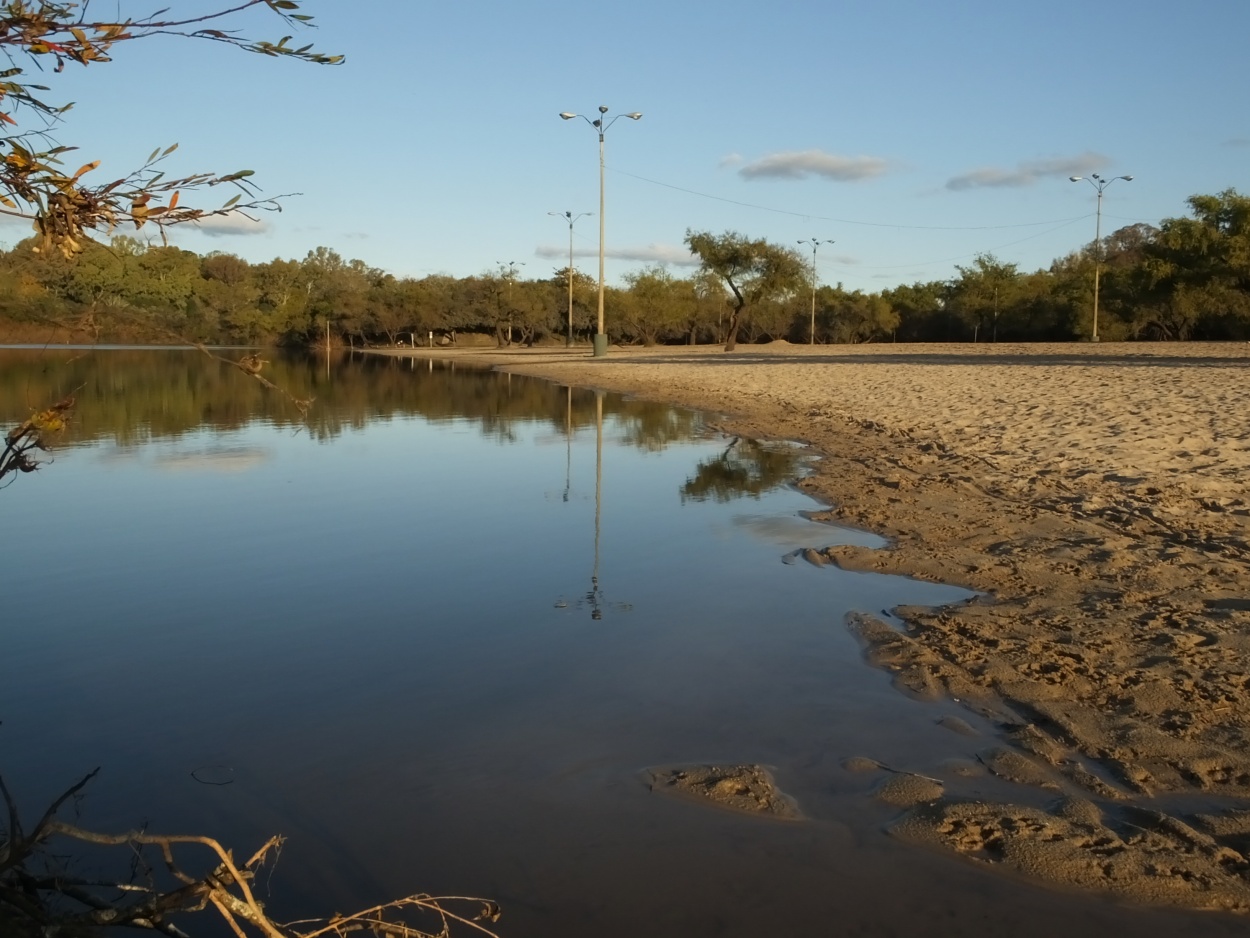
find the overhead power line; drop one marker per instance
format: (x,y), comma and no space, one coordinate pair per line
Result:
(848,221)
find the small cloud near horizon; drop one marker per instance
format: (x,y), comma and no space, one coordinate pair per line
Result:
(732,159)
(1236,142)
(1029,172)
(678,255)
(804,163)
(233,223)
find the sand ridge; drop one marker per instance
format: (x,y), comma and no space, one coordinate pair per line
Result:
(1096,495)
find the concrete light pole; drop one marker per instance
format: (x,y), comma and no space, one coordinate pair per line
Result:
(1098,183)
(815,243)
(570,217)
(601,125)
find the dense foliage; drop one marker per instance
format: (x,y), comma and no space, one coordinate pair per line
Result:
(1188,278)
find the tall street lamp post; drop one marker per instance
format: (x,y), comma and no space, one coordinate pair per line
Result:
(815,243)
(570,217)
(601,126)
(508,271)
(1098,183)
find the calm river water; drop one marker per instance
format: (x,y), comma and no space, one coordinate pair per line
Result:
(436,633)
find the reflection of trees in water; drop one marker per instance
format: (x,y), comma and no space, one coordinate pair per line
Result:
(130,396)
(744,467)
(652,427)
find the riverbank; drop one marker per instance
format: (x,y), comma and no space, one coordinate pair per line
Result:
(1095,495)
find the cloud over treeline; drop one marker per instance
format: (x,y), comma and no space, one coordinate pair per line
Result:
(1028,172)
(228,225)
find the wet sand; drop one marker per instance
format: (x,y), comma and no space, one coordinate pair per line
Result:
(1095,495)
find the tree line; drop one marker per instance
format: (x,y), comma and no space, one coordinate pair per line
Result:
(1187,278)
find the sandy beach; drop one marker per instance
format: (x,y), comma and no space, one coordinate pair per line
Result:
(1094,494)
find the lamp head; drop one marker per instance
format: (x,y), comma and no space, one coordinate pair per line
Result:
(1075,178)
(1094,176)
(635,115)
(1127,178)
(603,109)
(567,116)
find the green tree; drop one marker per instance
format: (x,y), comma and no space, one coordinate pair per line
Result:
(227,287)
(337,293)
(1199,268)
(706,314)
(981,292)
(754,271)
(534,304)
(282,299)
(922,311)
(653,306)
(853,317)
(583,298)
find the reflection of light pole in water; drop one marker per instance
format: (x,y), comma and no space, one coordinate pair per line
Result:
(595,596)
(568,440)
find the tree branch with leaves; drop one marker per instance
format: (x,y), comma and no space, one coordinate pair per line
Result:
(35,182)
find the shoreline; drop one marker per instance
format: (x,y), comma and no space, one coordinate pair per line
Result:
(1095,495)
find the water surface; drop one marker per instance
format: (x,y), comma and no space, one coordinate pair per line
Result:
(435,633)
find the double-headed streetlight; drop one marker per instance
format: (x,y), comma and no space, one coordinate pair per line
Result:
(1098,183)
(570,218)
(601,126)
(815,243)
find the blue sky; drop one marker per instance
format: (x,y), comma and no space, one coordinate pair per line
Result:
(913,134)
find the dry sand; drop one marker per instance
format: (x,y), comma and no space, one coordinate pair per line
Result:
(1095,495)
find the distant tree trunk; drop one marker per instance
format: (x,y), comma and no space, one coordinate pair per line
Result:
(731,335)
(735,318)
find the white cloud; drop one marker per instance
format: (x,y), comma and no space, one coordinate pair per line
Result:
(233,223)
(1236,142)
(1028,172)
(733,159)
(678,255)
(800,165)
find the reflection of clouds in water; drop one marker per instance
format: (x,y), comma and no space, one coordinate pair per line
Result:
(793,531)
(114,455)
(223,459)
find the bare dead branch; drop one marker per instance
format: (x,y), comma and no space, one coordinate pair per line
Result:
(74,789)
(226,889)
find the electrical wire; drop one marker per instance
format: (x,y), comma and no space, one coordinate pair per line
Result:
(843,221)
